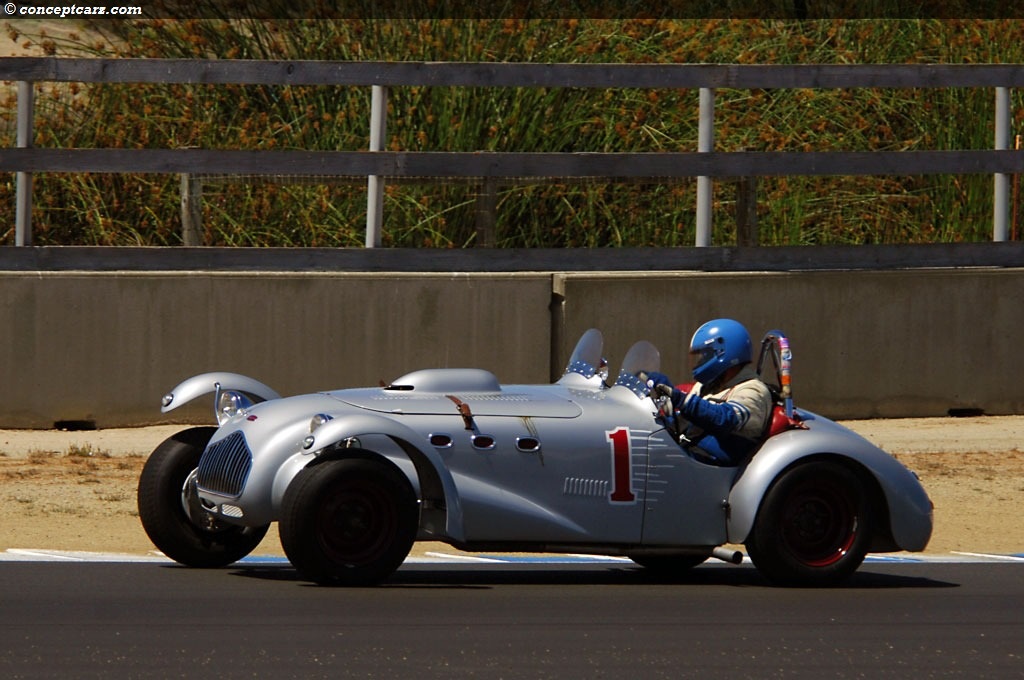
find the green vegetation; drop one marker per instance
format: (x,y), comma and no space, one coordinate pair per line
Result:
(127,210)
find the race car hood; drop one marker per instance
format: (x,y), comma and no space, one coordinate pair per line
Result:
(440,391)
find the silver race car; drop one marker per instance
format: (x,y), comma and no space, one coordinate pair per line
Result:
(354,477)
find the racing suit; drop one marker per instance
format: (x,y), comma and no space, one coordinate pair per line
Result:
(725,427)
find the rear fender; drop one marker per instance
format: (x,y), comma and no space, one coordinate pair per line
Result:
(908,506)
(440,498)
(205,383)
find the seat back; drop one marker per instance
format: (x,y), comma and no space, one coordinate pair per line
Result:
(779,422)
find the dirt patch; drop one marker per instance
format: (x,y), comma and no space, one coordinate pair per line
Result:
(76,490)
(973,470)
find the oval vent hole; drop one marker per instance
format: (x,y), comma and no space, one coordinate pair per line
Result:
(440,440)
(528,444)
(483,441)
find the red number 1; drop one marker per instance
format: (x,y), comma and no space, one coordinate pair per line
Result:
(622,470)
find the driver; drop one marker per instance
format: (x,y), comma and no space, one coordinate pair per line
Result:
(728,408)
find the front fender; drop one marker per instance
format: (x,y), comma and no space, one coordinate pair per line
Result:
(437,487)
(910,510)
(198,385)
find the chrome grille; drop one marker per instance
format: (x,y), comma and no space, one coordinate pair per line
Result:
(225,466)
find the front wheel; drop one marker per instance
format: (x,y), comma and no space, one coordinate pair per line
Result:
(813,528)
(348,522)
(164,507)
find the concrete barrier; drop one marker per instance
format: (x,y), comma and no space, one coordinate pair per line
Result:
(866,344)
(100,348)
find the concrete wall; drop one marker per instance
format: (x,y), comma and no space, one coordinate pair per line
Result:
(105,346)
(866,344)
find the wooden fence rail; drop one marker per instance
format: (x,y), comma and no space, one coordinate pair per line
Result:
(486,167)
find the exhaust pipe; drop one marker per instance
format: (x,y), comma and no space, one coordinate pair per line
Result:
(726,555)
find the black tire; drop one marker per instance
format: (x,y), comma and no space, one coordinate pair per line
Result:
(349,522)
(669,565)
(162,507)
(813,527)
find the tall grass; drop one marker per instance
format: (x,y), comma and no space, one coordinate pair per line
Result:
(109,209)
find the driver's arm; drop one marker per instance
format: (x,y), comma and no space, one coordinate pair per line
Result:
(743,413)
(726,416)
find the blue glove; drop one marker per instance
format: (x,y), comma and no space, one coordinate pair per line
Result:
(654,379)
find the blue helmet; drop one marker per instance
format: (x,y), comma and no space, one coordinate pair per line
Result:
(717,346)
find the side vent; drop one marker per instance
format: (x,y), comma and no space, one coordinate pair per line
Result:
(574,486)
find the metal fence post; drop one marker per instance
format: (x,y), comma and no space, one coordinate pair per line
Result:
(23,180)
(375,183)
(705,143)
(1001,202)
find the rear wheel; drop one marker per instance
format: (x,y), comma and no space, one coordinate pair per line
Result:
(349,522)
(191,537)
(813,528)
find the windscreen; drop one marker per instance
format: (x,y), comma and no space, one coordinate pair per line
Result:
(586,358)
(642,357)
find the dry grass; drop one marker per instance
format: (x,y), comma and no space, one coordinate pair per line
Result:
(82,481)
(116,210)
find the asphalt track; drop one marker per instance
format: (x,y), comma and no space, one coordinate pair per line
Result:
(588,619)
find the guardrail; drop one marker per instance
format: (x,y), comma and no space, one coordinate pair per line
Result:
(705,163)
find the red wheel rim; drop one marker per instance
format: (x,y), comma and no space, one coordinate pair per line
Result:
(820,522)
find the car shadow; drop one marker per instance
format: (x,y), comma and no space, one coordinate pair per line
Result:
(485,576)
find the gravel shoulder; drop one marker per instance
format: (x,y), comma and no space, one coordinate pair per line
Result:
(76,490)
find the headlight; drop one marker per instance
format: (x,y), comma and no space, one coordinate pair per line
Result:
(318,420)
(314,424)
(231,404)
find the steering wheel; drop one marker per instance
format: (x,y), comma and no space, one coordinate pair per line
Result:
(666,413)
(663,401)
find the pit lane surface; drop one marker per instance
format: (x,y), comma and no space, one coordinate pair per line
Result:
(434,620)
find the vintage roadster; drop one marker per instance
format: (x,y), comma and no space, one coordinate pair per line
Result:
(354,477)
